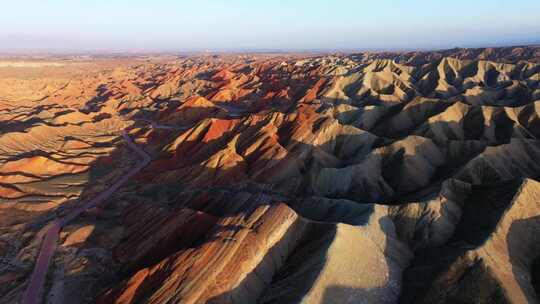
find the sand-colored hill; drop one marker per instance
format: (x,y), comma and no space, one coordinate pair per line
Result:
(488,263)
(274,178)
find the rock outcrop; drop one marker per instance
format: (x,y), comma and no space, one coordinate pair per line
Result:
(275,178)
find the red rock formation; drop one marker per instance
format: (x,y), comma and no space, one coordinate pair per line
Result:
(275,178)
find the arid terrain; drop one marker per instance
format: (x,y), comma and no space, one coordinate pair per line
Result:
(271,178)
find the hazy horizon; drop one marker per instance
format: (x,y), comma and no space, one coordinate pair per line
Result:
(63,26)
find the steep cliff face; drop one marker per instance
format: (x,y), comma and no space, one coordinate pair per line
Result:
(489,259)
(362,178)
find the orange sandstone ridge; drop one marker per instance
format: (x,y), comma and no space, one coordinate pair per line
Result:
(275,178)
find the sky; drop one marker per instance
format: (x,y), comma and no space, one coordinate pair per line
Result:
(237,25)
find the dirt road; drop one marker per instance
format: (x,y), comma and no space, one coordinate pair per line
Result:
(34,290)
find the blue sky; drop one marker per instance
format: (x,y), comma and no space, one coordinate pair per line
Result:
(167,25)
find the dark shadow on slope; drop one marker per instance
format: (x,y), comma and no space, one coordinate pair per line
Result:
(535,276)
(419,113)
(227,204)
(221,201)
(328,210)
(481,212)
(154,281)
(255,283)
(102,94)
(20,125)
(302,266)
(449,166)
(530,120)
(65,187)
(523,241)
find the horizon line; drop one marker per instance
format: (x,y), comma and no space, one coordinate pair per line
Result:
(174,51)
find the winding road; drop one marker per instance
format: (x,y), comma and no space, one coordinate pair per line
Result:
(155,125)
(34,290)
(32,294)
